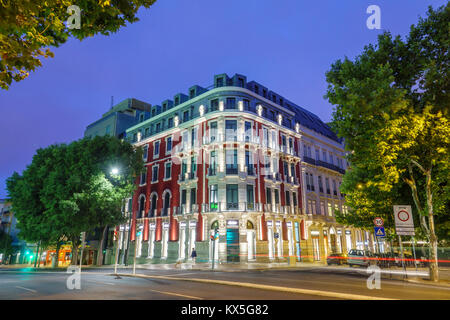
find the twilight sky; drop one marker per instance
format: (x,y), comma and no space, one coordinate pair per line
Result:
(285,45)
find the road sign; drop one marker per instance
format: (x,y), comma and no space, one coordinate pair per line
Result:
(378,222)
(379,232)
(404,223)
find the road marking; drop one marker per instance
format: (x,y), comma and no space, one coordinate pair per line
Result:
(180,274)
(101,282)
(176,294)
(31,290)
(347,296)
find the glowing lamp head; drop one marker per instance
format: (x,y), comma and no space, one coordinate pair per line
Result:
(115,171)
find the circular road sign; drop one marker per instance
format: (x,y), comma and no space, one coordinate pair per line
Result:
(403,215)
(378,222)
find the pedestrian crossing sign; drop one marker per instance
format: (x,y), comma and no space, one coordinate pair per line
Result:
(379,232)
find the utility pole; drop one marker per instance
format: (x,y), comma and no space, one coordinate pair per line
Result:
(83,238)
(128,238)
(214,247)
(135,252)
(414,251)
(117,255)
(403,258)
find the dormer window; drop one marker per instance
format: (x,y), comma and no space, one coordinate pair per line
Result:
(186,116)
(141,117)
(177,101)
(241,82)
(219,82)
(191,93)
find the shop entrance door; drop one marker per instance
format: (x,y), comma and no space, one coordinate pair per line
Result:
(233,245)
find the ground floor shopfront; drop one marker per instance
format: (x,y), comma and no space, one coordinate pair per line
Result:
(249,237)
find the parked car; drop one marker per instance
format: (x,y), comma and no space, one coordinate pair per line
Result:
(336,258)
(360,258)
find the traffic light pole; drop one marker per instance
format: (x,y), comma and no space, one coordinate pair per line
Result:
(83,239)
(134,258)
(117,257)
(128,240)
(214,252)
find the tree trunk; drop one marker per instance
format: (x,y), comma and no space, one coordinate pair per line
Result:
(74,251)
(100,247)
(40,257)
(434,271)
(58,246)
(37,254)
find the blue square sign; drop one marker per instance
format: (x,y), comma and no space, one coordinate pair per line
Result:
(379,232)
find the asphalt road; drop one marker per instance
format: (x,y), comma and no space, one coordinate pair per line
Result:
(314,284)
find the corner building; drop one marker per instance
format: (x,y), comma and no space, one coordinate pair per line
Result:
(238,157)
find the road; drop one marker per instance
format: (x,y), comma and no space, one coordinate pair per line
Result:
(304,284)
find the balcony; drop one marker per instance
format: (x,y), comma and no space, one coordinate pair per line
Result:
(152,213)
(231,170)
(215,138)
(186,176)
(293,180)
(212,171)
(165,212)
(230,206)
(323,164)
(275,208)
(274,177)
(185,209)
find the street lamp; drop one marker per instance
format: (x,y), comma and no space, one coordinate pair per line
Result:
(115,171)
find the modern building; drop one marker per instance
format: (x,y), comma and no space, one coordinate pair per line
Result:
(123,115)
(120,117)
(243,160)
(23,252)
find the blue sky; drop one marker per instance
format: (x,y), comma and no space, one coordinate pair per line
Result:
(285,45)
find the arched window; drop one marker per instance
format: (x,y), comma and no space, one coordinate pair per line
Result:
(141,206)
(153,205)
(215,225)
(166,203)
(249,224)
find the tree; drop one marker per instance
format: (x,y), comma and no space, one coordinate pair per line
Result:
(66,191)
(29,28)
(391,86)
(412,147)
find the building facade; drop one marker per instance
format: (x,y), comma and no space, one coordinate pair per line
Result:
(240,160)
(23,252)
(119,118)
